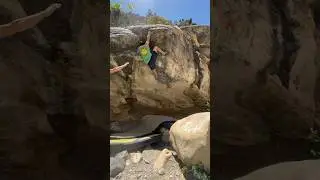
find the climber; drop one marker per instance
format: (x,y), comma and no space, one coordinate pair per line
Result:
(27,22)
(118,68)
(149,52)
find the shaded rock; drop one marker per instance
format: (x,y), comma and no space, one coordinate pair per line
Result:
(256,43)
(145,125)
(117,165)
(202,34)
(19,125)
(123,155)
(306,170)
(190,137)
(122,39)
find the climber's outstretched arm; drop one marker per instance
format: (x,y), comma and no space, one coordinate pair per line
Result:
(27,22)
(148,38)
(118,68)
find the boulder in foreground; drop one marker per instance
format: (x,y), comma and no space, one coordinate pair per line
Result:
(190,137)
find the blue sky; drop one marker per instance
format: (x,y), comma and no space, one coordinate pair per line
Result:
(198,10)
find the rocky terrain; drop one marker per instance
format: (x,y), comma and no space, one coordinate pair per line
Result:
(184,148)
(142,167)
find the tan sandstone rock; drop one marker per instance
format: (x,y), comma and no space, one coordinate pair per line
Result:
(161,161)
(177,72)
(190,137)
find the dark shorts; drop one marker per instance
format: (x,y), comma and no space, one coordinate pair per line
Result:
(153,60)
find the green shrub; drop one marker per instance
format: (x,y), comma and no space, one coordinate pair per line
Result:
(153,18)
(184,22)
(120,13)
(195,172)
(157,20)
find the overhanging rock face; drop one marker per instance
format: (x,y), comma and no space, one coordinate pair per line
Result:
(183,74)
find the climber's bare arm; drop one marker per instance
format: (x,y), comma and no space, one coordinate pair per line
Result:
(27,22)
(118,68)
(148,38)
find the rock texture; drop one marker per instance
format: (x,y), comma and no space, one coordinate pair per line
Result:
(144,169)
(183,74)
(265,70)
(190,137)
(117,165)
(308,170)
(53,76)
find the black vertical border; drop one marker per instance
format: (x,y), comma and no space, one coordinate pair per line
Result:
(107,63)
(211,64)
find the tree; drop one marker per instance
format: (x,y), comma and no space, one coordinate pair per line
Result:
(153,18)
(118,6)
(150,13)
(119,13)
(157,20)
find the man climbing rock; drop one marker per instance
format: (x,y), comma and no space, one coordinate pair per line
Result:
(27,22)
(118,68)
(149,52)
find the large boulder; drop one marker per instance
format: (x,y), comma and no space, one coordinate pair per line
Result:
(264,70)
(190,137)
(183,74)
(306,170)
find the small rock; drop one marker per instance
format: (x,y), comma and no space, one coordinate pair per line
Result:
(118,176)
(165,135)
(161,171)
(123,155)
(146,161)
(139,176)
(174,153)
(128,162)
(135,157)
(117,165)
(161,161)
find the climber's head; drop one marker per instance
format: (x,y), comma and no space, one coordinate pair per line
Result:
(141,43)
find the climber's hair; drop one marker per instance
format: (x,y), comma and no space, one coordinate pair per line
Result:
(140,43)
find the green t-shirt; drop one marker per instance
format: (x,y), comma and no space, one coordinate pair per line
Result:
(145,54)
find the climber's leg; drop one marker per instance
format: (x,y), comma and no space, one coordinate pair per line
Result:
(152,62)
(27,22)
(157,50)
